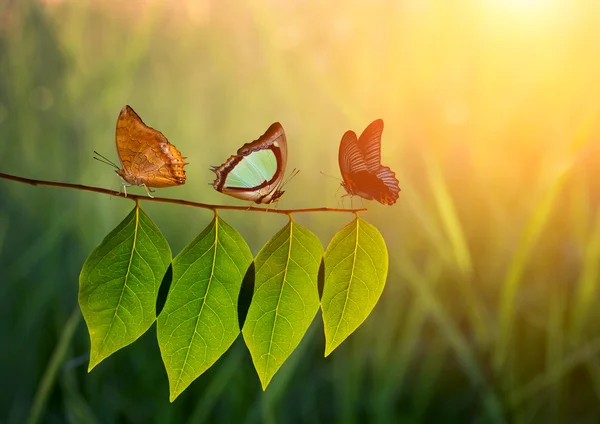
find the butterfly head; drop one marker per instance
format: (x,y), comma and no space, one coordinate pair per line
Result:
(128,178)
(348,187)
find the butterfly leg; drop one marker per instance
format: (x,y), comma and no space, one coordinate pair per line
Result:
(339,199)
(148,191)
(350,196)
(124,188)
(250,206)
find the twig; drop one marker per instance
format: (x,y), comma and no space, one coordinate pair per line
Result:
(137,198)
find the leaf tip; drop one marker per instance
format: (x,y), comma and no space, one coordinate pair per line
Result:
(265,380)
(329,350)
(92,365)
(175,389)
(332,345)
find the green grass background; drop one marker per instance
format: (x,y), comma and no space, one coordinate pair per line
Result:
(492,126)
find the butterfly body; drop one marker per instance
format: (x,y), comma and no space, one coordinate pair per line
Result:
(360,165)
(256,172)
(147,158)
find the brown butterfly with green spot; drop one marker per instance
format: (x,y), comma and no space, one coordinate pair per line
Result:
(256,172)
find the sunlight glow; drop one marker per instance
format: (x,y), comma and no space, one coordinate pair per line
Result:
(528,11)
(523,5)
(532,15)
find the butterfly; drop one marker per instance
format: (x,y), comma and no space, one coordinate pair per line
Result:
(360,165)
(147,158)
(255,173)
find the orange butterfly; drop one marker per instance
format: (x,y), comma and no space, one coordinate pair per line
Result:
(147,158)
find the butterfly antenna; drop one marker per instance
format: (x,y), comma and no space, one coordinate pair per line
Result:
(331,176)
(292,175)
(105,160)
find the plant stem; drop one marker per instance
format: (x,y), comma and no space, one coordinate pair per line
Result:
(137,198)
(56,360)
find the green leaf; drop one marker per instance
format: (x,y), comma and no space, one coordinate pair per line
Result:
(119,282)
(199,320)
(356,266)
(286,298)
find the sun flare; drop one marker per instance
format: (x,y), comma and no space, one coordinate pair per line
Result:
(522,5)
(533,15)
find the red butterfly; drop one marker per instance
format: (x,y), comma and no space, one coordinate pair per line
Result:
(360,164)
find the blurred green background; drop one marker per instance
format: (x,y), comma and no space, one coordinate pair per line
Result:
(492,123)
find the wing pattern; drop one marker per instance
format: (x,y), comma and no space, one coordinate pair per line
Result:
(360,165)
(268,190)
(146,156)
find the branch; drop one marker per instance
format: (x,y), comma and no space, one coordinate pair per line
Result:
(136,198)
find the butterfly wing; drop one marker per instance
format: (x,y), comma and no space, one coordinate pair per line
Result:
(351,159)
(256,172)
(146,155)
(369,144)
(387,192)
